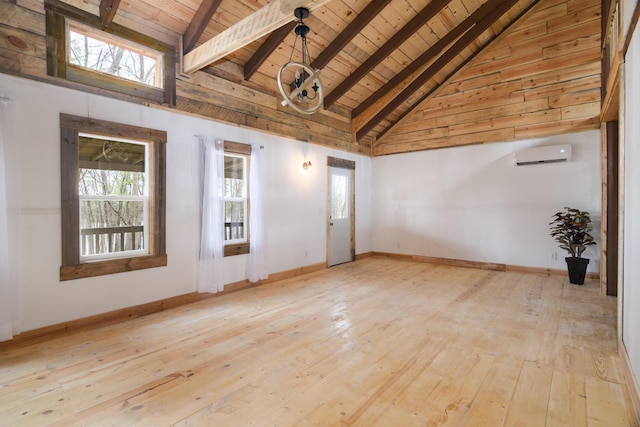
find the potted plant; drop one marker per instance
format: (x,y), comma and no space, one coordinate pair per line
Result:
(571,229)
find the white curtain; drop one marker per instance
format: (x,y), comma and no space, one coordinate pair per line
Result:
(257,264)
(210,266)
(9,227)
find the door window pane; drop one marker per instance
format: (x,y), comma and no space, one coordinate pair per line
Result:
(340,193)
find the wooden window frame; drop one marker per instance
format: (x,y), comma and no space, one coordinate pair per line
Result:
(57,14)
(245,150)
(70,128)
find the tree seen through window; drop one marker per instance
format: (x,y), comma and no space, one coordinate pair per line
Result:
(113,197)
(120,61)
(235,202)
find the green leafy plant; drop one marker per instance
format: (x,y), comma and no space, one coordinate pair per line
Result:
(571,229)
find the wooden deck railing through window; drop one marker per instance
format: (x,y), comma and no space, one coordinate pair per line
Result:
(233,230)
(102,240)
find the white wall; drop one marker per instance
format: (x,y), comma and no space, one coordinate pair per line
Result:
(295,204)
(627,7)
(631,205)
(471,203)
(464,203)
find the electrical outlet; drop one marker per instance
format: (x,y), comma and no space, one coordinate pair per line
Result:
(553,256)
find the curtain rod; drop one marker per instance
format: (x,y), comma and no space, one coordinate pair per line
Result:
(203,136)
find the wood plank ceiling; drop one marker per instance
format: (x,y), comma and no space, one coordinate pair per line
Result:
(379,58)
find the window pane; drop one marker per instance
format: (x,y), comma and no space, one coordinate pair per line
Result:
(235,195)
(110,167)
(95,182)
(112,188)
(116,60)
(108,226)
(234,188)
(234,176)
(339,190)
(234,215)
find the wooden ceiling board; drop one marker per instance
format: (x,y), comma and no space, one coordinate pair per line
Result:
(336,70)
(443,63)
(396,15)
(412,48)
(571,22)
(191,4)
(443,74)
(153,15)
(395,62)
(458,9)
(388,48)
(358,51)
(222,19)
(439,27)
(154,29)
(324,18)
(448,17)
(179,14)
(345,11)
(91,6)
(472,5)
(379,31)
(561,76)
(390,67)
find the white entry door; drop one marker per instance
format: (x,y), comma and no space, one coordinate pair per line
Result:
(340,215)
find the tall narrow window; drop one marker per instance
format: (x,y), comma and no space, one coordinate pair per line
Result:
(237,206)
(235,198)
(114,201)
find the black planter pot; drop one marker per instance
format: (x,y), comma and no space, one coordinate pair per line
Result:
(577,269)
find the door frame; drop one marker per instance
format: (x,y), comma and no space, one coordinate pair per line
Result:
(350,165)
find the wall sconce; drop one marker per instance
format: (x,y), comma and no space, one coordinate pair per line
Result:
(307,166)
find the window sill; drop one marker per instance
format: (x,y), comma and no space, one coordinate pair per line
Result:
(237,249)
(119,265)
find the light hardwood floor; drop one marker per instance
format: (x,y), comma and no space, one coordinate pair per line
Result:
(379,342)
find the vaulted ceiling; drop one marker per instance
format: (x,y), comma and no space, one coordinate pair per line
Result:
(379,59)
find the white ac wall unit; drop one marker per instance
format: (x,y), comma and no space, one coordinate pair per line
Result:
(546,154)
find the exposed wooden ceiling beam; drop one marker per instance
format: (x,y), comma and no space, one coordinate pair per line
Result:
(273,41)
(353,29)
(497,10)
(429,54)
(108,9)
(198,24)
(431,93)
(262,22)
(405,32)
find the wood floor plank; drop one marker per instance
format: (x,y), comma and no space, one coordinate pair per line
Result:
(376,342)
(490,405)
(528,406)
(567,400)
(450,401)
(605,403)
